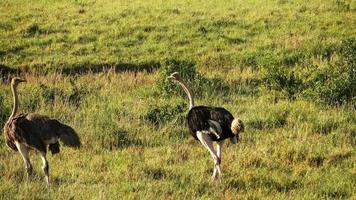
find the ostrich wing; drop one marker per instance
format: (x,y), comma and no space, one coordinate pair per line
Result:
(48,129)
(204,118)
(19,129)
(221,116)
(224,118)
(43,127)
(215,126)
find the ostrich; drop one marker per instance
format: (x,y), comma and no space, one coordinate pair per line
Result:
(27,131)
(208,124)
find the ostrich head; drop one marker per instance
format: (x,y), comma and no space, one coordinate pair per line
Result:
(15,81)
(237,126)
(175,76)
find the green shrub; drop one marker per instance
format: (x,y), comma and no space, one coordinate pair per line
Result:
(117,139)
(33,98)
(162,114)
(335,84)
(331,86)
(348,53)
(197,82)
(281,79)
(186,70)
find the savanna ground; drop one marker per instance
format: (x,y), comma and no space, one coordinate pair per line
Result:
(287,68)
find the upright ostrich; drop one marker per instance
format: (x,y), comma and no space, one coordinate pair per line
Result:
(27,131)
(208,124)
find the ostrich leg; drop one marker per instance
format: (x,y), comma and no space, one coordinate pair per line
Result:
(208,143)
(45,166)
(24,151)
(217,167)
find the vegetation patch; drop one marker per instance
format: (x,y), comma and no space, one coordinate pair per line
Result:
(324,124)
(281,79)
(31,30)
(199,84)
(118,139)
(287,68)
(159,115)
(332,84)
(155,173)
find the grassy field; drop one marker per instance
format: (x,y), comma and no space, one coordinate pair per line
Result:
(287,68)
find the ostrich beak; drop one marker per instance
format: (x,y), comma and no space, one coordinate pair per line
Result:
(22,80)
(233,140)
(174,76)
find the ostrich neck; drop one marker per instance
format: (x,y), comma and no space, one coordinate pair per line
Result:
(16,101)
(188,92)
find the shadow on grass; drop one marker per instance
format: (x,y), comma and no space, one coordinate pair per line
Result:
(118,139)
(84,68)
(6,72)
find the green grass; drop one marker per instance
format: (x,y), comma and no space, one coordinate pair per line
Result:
(287,68)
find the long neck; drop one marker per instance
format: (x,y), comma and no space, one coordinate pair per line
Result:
(188,92)
(16,101)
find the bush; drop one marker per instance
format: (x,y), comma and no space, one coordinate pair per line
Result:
(186,70)
(198,83)
(117,139)
(47,95)
(348,53)
(280,79)
(162,114)
(335,84)
(331,86)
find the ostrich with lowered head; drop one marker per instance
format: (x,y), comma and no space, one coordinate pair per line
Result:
(208,124)
(27,131)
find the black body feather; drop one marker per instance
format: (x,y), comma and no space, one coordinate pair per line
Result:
(34,131)
(198,121)
(54,148)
